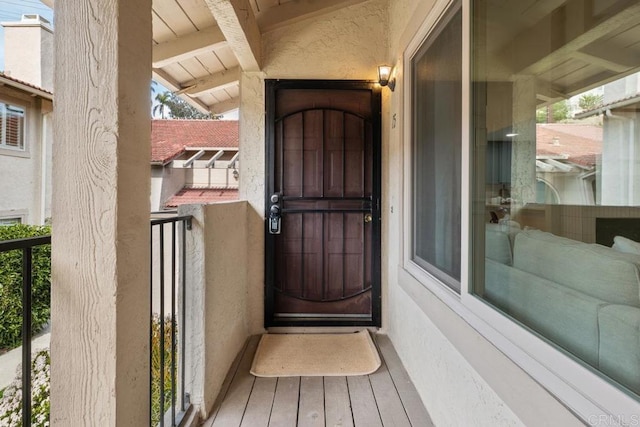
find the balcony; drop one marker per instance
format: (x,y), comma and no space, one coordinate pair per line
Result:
(382,398)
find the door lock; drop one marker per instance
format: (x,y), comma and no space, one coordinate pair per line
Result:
(275,219)
(368,218)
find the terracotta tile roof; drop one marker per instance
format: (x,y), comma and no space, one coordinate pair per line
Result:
(23,83)
(581,143)
(170,137)
(201,196)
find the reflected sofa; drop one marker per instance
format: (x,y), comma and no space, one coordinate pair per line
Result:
(583,297)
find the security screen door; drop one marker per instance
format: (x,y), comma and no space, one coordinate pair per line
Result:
(323,203)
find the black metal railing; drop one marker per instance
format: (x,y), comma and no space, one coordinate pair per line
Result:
(26,246)
(169,400)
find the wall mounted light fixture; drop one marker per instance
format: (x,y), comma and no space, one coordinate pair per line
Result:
(384,77)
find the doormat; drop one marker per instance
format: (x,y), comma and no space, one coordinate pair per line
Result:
(315,355)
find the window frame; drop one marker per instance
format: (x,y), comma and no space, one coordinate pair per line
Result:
(422,274)
(3,130)
(419,265)
(27,106)
(15,214)
(586,393)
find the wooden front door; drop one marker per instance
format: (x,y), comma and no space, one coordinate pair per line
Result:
(323,203)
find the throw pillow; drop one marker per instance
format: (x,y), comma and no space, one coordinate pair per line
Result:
(622,244)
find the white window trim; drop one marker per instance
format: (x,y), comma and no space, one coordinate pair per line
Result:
(588,395)
(21,214)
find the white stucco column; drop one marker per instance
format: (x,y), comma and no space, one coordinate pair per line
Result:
(101,177)
(252,188)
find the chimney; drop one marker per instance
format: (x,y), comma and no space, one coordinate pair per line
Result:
(28,50)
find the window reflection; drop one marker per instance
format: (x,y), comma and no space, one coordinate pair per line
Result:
(556,102)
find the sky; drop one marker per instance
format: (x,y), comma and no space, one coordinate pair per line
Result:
(12,10)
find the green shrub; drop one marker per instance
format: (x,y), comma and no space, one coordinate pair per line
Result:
(11,285)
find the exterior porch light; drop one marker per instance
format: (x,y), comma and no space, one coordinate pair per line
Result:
(384,77)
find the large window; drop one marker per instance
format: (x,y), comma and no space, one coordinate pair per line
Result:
(12,119)
(556,175)
(437,97)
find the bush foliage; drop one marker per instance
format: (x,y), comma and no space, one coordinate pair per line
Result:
(11,397)
(11,285)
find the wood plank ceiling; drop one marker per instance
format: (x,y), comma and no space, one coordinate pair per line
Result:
(200,47)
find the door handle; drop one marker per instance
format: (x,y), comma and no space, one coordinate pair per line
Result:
(275,218)
(368,218)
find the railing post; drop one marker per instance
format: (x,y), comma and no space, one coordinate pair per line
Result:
(26,335)
(186,225)
(177,346)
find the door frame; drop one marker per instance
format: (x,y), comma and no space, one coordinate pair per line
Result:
(271,88)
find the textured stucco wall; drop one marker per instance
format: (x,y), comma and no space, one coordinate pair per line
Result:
(346,44)
(29,53)
(21,185)
(217,300)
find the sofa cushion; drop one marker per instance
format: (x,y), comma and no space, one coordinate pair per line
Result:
(498,244)
(596,270)
(620,344)
(566,317)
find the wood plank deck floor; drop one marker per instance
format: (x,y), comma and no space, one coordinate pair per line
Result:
(385,398)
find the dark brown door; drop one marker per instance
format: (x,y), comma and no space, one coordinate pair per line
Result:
(323,219)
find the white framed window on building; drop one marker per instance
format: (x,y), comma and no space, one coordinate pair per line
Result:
(12,126)
(10,221)
(527,211)
(436,73)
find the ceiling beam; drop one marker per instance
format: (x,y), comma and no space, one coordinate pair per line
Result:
(170,83)
(218,80)
(238,24)
(602,62)
(187,46)
(543,46)
(225,106)
(294,11)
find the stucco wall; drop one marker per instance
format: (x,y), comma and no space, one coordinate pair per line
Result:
(29,53)
(22,171)
(217,300)
(165,182)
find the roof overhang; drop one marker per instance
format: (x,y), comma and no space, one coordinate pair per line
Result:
(25,87)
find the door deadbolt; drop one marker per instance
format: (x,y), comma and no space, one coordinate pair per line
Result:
(368,218)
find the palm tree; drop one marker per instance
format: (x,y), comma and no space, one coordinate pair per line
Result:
(162,105)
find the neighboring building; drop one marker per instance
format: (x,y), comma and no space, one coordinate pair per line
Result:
(28,50)
(619,181)
(193,162)
(26,132)
(566,160)
(25,152)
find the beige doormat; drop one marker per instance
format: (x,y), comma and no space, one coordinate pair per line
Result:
(295,355)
